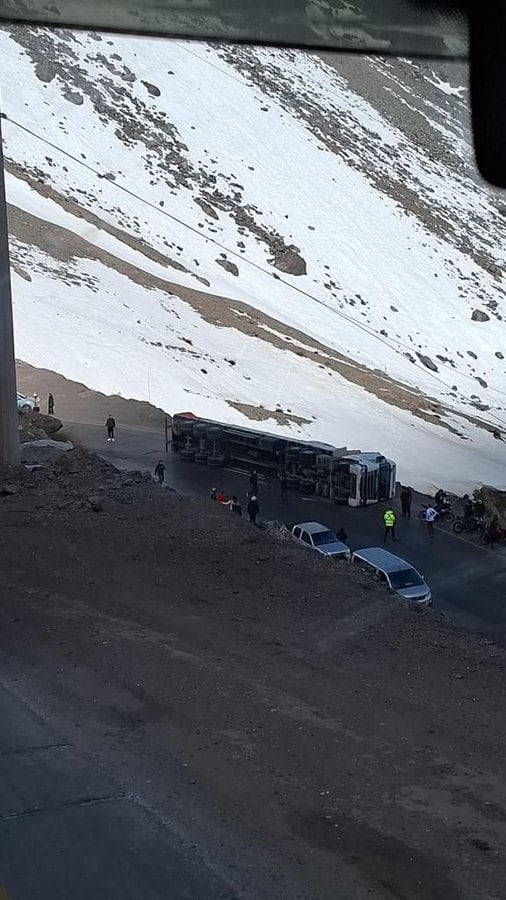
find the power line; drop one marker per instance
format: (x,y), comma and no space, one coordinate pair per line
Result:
(390,343)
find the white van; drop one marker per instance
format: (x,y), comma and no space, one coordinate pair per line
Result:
(400,577)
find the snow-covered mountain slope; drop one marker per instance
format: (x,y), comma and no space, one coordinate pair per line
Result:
(260,234)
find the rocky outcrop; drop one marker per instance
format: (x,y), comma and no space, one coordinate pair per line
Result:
(478,315)
(44,452)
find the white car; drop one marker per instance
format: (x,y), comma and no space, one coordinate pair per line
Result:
(399,576)
(319,537)
(25,404)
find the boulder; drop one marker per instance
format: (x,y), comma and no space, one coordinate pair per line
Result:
(289,260)
(44,451)
(228,266)
(427,362)
(478,315)
(33,421)
(8,488)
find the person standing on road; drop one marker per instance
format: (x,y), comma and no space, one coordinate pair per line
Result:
(36,403)
(430,518)
(110,425)
(253,483)
(283,486)
(493,532)
(406,501)
(253,509)
(50,405)
(160,471)
(213,494)
(389,521)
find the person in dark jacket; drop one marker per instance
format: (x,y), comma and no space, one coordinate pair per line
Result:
(50,405)
(479,508)
(342,536)
(253,509)
(160,471)
(406,501)
(468,507)
(110,425)
(253,483)
(213,493)
(493,533)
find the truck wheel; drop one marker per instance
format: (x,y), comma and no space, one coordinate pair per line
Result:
(216,462)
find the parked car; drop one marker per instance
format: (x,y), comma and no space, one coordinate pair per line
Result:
(400,576)
(319,537)
(25,404)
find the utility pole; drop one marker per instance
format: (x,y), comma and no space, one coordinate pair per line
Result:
(9,433)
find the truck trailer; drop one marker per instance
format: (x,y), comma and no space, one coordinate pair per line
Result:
(349,477)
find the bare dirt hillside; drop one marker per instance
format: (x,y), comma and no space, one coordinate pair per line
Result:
(303,732)
(75,402)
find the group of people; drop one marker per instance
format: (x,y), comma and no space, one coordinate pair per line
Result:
(234,505)
(472,509)
(406,498)
(50,404)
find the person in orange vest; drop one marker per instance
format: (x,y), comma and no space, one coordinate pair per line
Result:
(389,520)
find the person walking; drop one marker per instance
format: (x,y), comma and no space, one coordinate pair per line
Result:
(430,518)
(160,471)
(253,483)
(110,425)
(283,486)
(253,509)
(389,521)
(50,405)
(406,501)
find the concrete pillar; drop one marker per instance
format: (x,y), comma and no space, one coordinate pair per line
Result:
(9,435)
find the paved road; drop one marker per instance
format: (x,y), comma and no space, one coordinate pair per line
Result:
(467,580)
(67,831)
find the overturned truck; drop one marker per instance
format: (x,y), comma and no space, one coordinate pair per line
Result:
(343,476)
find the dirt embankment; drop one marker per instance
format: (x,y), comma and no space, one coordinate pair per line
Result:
(289,720)
(74,402)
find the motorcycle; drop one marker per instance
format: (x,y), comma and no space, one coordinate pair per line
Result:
(444,513)
(472,524)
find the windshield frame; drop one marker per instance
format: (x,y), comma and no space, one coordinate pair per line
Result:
(322,534)
(392,576)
